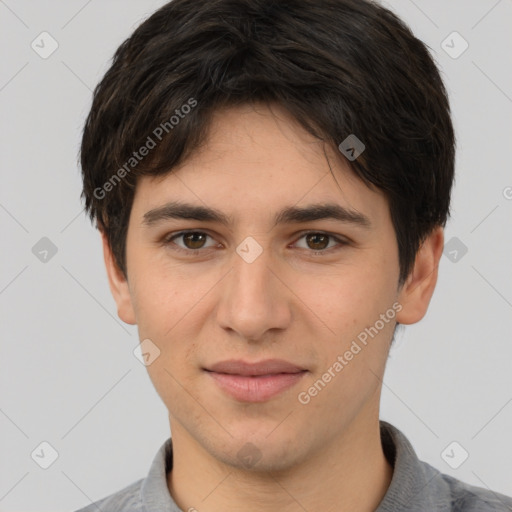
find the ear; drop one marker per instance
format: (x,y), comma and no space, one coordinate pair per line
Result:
(418,289)
(118,285)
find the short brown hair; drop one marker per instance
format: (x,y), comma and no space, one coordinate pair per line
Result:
(339,67)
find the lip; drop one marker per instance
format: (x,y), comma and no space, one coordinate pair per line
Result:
(255,382)
(265,367)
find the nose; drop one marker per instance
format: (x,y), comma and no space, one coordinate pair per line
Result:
(255,298)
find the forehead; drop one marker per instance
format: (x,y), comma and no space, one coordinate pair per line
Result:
(256,160)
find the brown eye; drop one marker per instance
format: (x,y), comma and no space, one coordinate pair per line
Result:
(194,240)
(317,241)
(189,241)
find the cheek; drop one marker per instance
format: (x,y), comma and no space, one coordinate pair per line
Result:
(160,295)
(341,301)
(165,309)
(348,307)
(156,306)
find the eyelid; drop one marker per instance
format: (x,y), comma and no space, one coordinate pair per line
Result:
(337,237)
(169,239)
(340,240)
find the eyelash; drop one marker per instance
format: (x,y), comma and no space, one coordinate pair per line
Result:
(168,240)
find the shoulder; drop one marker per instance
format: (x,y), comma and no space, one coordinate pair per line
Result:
(418,486)
(128,498)
(469,498)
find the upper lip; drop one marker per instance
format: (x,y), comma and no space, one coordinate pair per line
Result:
(266,367)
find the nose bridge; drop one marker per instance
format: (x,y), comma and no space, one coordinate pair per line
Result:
(253,301)
(251,277)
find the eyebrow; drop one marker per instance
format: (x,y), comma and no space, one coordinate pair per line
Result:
(288,215)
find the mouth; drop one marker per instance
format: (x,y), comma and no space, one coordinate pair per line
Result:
(255,382)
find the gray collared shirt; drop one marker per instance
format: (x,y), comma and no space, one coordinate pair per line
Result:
(415,486)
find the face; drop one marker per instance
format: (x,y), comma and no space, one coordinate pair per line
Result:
(266,272)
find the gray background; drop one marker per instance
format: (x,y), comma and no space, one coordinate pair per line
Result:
(68,375)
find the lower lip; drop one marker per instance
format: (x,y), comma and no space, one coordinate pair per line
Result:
(255,389)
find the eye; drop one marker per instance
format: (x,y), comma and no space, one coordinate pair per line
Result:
(192,240)
(319,242)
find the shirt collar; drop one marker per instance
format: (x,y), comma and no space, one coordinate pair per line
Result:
(155,494)
(414,483)
(409,489)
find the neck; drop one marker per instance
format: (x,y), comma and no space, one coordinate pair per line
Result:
(349,474)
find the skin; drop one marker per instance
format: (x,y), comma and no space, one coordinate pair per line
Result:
(288,304)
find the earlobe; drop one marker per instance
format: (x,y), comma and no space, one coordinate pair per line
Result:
(118,285)
(417,291)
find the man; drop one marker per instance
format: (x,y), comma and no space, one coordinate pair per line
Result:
(271,181)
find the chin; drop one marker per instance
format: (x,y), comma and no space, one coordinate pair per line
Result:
(260,460)
(257,453)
